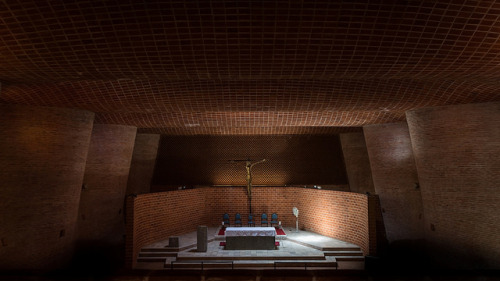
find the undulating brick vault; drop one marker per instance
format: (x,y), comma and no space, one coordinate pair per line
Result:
(249,68)
(399,100)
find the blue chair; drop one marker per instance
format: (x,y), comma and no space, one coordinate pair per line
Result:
(237,219)
(250,220)
(263,219)
(225,219)
(274,219)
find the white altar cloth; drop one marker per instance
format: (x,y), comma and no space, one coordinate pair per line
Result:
(250,231)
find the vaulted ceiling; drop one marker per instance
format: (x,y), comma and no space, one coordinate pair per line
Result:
(249,67)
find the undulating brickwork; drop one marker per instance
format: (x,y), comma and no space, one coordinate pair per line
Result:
(342,215)
(357,162)
(396,183)
(42,161)
(249,67)
(457,152)
(143,163)
(291,160)
(101,225)
(157,216)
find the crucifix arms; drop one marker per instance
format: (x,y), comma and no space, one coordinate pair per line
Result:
(250,164)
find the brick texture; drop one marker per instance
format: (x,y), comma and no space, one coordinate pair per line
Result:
(341,215)
(457,151)
(42,161)
(249,67)
(357,162)
(376,227)
(101,225)
(268,200)
(143,163)
(292,160)
(157,216)
(395,180)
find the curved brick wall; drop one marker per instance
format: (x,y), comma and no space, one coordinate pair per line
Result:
(43,153)
(101,216)
(337,214)
(157,216)
(457,153)
(342,215)
(265,200)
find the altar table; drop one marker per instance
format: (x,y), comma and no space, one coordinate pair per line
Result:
(250,238)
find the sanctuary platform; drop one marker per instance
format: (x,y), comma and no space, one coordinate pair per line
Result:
(300,250)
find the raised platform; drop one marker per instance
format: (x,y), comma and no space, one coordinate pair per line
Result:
(301,250)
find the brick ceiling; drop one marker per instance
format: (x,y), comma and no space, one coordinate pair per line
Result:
(256,67)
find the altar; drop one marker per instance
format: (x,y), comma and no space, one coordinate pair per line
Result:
(250,238)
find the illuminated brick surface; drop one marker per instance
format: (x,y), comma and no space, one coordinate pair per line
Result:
(245,68)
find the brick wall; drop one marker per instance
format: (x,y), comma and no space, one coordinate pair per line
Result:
(457,152)
(395,178)
(268,200)
(341,215)
(157,216)
(376,227)
(101,216)
(143,163)
(357,162)
(292,160)
(43,153)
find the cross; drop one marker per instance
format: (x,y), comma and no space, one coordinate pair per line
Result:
(249,166)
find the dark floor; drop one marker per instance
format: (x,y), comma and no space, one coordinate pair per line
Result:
(214,275)
(373,269)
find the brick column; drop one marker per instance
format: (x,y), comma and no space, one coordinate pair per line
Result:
(42,160)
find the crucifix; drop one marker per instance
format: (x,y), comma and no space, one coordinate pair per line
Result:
(249,166)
